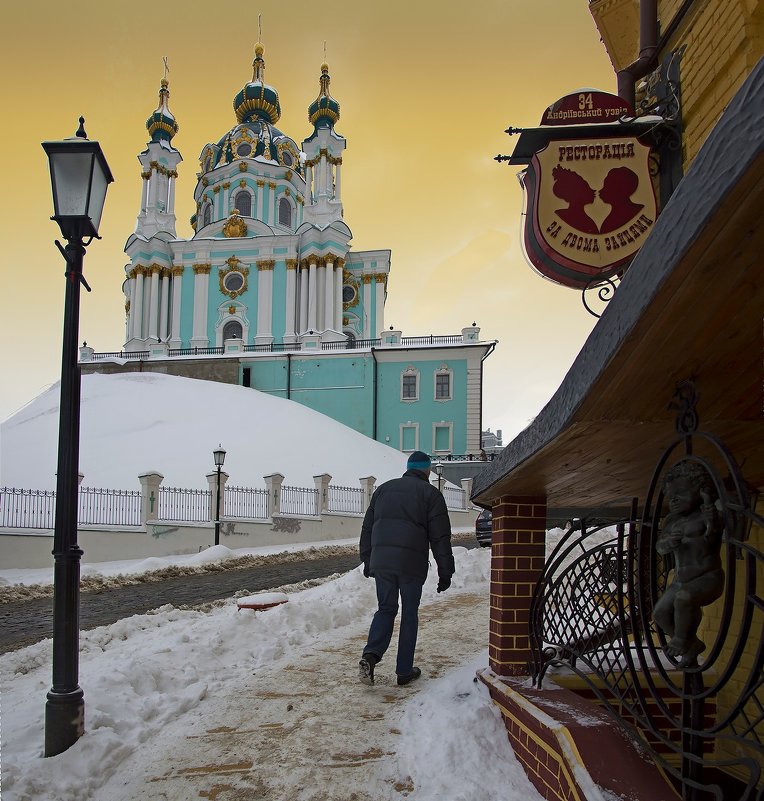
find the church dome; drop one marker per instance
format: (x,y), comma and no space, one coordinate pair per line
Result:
(254,139)
(257,100)
(324,111)
(161,124)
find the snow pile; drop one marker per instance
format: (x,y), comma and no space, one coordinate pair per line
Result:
(135,423)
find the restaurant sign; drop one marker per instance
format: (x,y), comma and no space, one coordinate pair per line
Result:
(589,203)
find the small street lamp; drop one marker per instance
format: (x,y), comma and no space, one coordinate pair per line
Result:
(439,472)
(219,456)
(79,178)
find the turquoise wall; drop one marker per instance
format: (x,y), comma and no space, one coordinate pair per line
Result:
(187,305)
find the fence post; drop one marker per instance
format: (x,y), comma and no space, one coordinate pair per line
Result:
(367,485)
(212,480)
(80,479)
(322,488)
(150,496)
(273,484)
(467,489)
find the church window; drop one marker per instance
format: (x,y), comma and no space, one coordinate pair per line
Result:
(443,385)
(285,213)
(286,158)
(410,385)
(233,282)
(442,437)
(232,330)
(349,294)
(244,149)
(207,216)
(243,203)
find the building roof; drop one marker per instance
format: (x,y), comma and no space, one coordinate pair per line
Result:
(689,307)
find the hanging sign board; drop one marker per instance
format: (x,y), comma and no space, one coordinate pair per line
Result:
(589,201)
(586,106)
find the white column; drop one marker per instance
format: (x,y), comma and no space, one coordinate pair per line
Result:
(303,327)
(154,302)
(201,286)
(380,302)
(329,292)
(308,184)
(338,297)
(177,286)
(131,301)
(291,297)
(324,190)
(225,198)
(260,192)
(144,194)
(367,307)
(320,294)
(216,215)
(171,196)
(312,295)
(136,309)
(337,195)
(269,301)
(164,307)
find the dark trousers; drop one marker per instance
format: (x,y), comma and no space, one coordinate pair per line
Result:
(389,586)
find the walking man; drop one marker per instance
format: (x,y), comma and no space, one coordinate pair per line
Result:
(407,517)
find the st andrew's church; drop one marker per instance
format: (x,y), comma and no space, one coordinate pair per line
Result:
(268,294)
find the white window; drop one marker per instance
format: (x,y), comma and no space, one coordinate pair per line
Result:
(442,437)
(443,384)
(409,437)
(410,384)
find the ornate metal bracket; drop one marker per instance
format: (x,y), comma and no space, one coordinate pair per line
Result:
(605,291)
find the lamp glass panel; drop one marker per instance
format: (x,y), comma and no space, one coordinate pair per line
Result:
(71,176)
(97,194)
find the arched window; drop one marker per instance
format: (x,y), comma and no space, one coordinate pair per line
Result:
(207,217)
(285,213)
(232,330)
(243,202)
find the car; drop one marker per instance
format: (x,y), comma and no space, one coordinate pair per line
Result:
(484,528)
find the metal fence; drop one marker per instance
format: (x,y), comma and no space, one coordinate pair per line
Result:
(23,508)
(299,501)
(346,499)
(454,498)
(191,506)
(246,503)
(106,507)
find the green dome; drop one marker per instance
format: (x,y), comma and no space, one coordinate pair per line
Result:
(324,111)
(257,100)
(161,124)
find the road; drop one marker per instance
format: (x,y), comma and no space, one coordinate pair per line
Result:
(26,622)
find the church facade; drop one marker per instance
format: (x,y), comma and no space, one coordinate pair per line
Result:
(268,293)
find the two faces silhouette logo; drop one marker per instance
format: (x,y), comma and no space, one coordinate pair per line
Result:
(619,185)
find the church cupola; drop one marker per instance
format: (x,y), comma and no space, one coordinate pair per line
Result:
(324,111)
(257,100)
(161,124)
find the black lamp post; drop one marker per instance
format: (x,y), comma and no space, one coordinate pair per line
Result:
(439,472)
(219,455)
(79,177)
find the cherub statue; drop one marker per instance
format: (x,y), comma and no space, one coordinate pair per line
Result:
(692,532)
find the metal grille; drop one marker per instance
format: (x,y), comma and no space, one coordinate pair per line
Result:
(455,498)
(21,508)
(109,507)
(122,354)
(346,499)
(246,503)
(299,502)
(186,505)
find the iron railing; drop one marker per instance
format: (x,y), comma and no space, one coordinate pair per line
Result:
(455,498)
(186,505)
(195,351)
(699,707)
(466,457)
(121,354)
(298,502)
(245,503)
(22,508)
(347,499)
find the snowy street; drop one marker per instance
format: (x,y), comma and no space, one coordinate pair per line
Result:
(224,704)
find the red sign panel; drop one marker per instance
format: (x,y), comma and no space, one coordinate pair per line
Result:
(586,106)
(588,206)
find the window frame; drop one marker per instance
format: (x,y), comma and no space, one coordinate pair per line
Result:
(409,425)
(450,427)
(410,372)
(443,371)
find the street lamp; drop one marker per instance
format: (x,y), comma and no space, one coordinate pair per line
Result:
(79,177)
(439,472)
(219,456)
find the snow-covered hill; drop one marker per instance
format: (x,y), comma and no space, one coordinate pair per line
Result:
(133,423)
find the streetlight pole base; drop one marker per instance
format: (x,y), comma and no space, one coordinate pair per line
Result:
(64,720)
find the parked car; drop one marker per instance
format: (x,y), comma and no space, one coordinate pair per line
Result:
(484,528)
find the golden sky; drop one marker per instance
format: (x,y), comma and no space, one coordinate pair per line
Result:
(426,90)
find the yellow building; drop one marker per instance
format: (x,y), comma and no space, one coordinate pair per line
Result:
(670,376)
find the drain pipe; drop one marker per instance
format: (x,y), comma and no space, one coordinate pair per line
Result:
(648,52)
(289,376)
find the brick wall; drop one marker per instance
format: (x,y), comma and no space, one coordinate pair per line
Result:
(517,559)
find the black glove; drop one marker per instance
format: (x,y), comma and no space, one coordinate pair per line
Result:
(444,583)
(366,569)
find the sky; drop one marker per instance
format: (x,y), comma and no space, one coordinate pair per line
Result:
(426,90)
(174,696)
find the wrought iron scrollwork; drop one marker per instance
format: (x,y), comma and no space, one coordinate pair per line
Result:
(604,289)
(698,707)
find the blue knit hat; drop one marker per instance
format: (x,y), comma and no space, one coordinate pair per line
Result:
(419,461)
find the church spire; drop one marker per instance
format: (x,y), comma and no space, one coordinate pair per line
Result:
(162,124)
(324,111)
(257,100)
